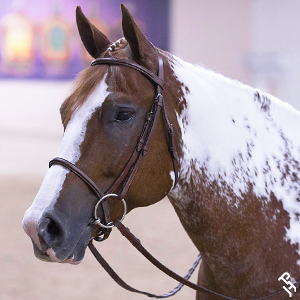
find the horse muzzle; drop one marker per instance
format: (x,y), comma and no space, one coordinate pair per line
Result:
(53,239)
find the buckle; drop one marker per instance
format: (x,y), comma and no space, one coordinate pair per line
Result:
(159,100)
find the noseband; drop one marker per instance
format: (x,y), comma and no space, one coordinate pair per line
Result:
(122,184)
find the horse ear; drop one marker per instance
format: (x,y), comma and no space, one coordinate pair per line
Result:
(94,41)
(139,44)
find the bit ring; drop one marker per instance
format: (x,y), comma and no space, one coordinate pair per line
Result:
(110,224)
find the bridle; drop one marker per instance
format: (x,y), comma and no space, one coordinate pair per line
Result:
(122,184)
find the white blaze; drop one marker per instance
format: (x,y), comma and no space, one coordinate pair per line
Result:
(70,150)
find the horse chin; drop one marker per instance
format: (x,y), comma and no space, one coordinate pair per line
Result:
(62,255)
(73,259)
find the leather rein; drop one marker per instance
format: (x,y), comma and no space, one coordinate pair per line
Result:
(121,185)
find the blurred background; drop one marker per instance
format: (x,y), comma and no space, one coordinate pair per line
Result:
(253,41)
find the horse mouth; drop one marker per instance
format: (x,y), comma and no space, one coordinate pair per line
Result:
(47,257)
(72,254)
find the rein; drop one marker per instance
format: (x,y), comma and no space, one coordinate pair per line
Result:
(121,185)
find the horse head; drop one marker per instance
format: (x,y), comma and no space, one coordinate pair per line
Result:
(103,119)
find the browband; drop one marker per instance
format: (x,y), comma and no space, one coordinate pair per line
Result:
(121,62)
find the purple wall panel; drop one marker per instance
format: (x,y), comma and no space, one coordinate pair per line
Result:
(64,58)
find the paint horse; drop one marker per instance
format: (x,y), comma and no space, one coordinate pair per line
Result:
(238,189)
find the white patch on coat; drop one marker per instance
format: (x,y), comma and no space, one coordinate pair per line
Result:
(70,150)
(221,120)
(172,175)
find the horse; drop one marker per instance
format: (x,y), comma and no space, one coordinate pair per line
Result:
(236,185)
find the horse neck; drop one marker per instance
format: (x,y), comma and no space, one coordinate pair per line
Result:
(232,132)
(222,119)
(235,143)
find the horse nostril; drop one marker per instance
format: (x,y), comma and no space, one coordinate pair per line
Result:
(50,231)
(53,230)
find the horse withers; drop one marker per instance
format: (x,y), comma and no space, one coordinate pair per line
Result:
(237,191)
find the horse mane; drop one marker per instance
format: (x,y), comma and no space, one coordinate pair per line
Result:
(264,101)
(201,71)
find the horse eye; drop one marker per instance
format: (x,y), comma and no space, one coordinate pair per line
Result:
(124,115)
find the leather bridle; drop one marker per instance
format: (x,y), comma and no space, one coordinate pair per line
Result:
(122,184)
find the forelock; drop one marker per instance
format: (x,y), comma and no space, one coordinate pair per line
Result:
(85,84)
(87,80)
